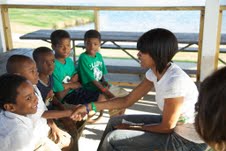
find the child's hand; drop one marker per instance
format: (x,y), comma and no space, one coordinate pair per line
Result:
(59,136)
(109,94)
(105,84)
(50,94)
(74,78)
(49,97)
(73,85)
(79,113)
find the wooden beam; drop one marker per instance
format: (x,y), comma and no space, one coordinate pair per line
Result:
(111,8)
(201,25)
(210,39)
(218,38)
(6,28)
(97,20)
(2,36)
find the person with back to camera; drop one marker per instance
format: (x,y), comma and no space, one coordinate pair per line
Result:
(210,121)
(17,100)
(66,84)
(176,95)
(92,68)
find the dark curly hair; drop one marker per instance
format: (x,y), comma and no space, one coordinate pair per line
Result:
(210,121)
(92,34)
(8,88)
(38,52)
(57,35)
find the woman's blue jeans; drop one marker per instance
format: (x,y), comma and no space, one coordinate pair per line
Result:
(132,140)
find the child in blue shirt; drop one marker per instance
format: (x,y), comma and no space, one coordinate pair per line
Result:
(44,58)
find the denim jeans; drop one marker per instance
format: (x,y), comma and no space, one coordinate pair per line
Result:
(133,140)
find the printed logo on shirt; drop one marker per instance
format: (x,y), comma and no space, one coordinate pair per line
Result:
(97,74)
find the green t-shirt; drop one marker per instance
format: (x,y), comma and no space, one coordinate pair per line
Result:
(62,73)
(90,69)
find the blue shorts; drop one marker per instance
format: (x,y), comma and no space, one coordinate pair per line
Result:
(81,96)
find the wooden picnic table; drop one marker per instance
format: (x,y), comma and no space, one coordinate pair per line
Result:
(114,36)
(189,39)
(110,36)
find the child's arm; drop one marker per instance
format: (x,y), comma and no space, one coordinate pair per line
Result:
(55,114)
(103,89)
(57,104)
(67,87)
(74,78)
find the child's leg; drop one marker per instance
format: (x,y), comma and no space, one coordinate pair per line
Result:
(101,98)
(64,141)
(74,128)
(47,144)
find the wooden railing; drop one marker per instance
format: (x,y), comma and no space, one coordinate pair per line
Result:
(7,31)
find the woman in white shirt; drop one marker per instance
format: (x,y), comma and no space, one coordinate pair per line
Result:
(176,95)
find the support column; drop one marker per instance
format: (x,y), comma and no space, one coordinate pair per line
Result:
(96,20)
(210,43)
(6,28)
(2,36)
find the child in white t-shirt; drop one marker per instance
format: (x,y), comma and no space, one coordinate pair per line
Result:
(17,100)
(48,135)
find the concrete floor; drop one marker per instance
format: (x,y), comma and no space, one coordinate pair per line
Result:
(92,133)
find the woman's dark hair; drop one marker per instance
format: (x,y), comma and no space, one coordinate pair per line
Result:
(57,35)
(160,44)
(92,34)
(38,52)
(8,88)
(210,120)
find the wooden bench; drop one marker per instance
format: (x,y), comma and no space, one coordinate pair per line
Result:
(122,79)
(134,47)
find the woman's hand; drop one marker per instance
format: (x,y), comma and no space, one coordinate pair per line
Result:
(79,113)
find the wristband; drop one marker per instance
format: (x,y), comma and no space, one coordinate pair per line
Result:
(94,106)
(104,90)
(87,108)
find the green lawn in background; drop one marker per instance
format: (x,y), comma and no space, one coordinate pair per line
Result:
(47,18)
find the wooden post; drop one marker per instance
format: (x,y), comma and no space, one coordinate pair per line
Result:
(96,20)
(210,39)
(218,38)
(2,36)
(6,28)
(202,14)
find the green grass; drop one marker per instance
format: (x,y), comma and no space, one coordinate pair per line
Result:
(46,18)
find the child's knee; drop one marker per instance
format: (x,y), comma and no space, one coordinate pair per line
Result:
(101,98)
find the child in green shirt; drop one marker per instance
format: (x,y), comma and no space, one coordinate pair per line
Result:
(66,85)
(91,65)
(92,70)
